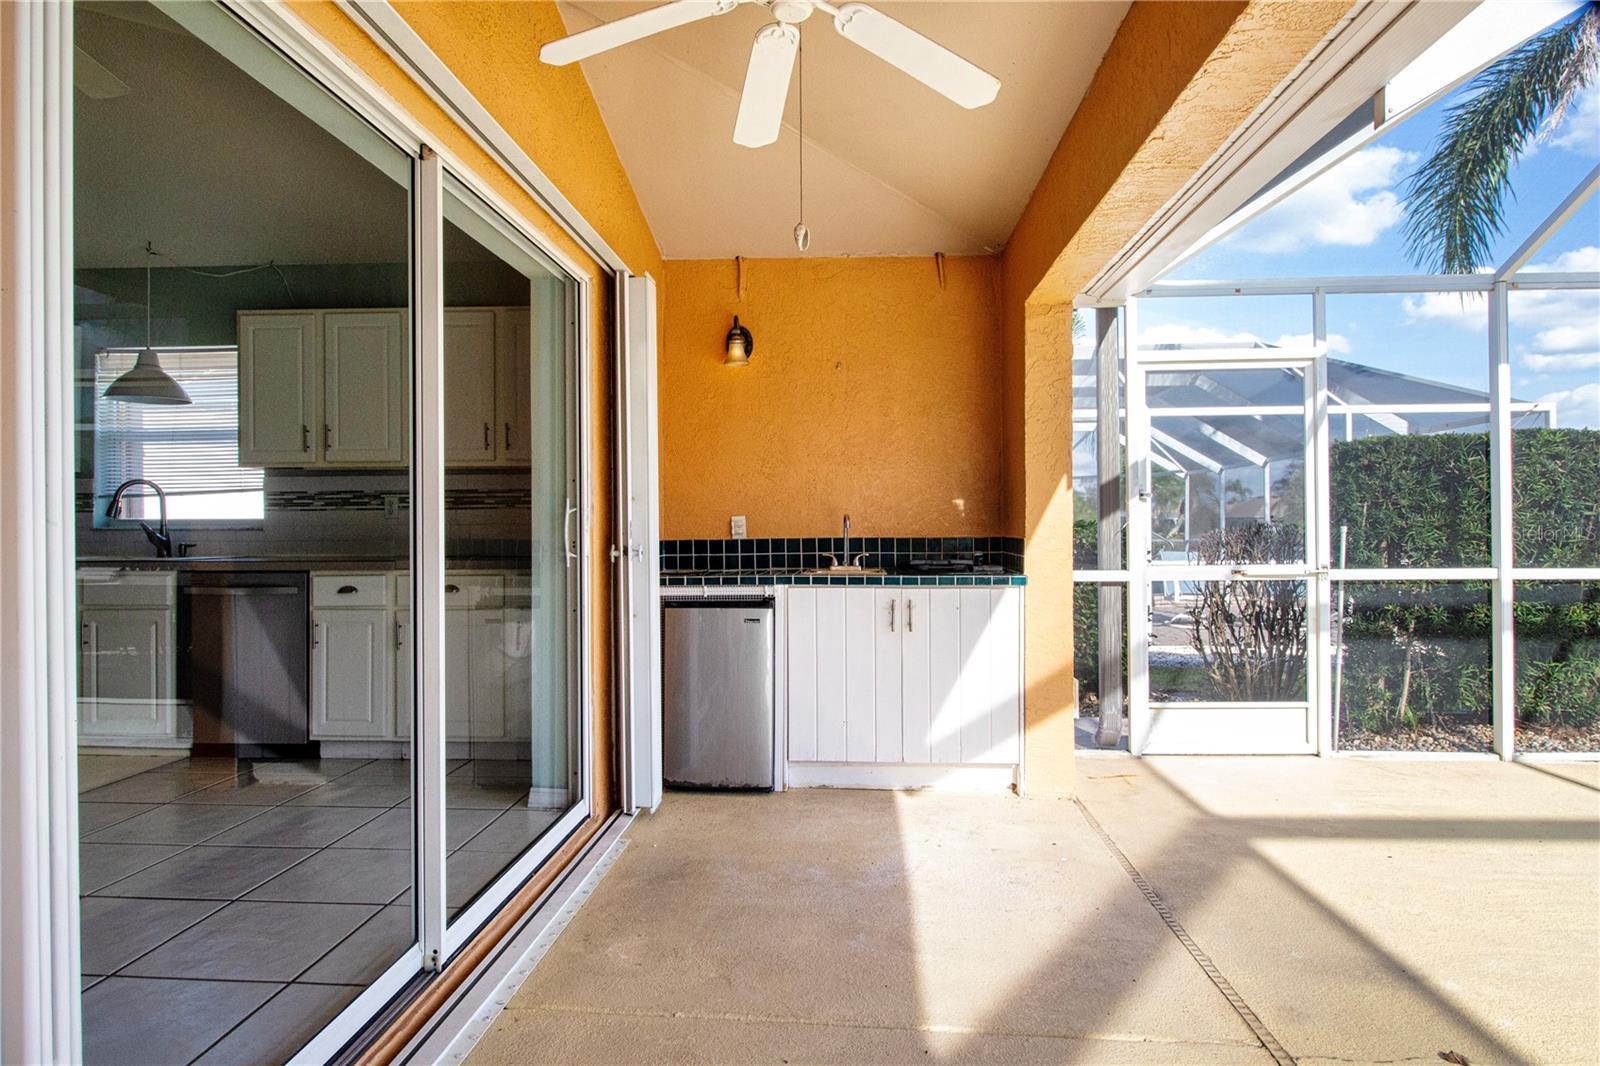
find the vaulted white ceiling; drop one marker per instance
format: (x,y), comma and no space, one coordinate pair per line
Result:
(891,167)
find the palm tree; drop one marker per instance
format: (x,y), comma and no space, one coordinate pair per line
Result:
(1455,201)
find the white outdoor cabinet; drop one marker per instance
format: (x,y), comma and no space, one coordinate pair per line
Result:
(351,659)
(905,674)
(365,369)
(126,625)
(469,387)
(279,417)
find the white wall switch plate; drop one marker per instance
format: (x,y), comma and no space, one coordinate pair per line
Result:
(738,527)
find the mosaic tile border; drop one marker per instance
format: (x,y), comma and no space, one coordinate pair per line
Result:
(762,554)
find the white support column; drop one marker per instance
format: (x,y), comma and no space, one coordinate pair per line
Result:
(1502,675)
(1136,482)
(427,553)
(39,967)
(1319,513)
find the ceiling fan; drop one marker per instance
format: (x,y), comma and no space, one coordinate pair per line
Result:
(766,82)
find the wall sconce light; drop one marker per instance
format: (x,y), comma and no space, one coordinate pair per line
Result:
(740,345)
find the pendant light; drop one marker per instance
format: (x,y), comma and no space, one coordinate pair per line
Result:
(146,382)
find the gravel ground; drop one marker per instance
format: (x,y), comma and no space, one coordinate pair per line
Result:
(1471,736)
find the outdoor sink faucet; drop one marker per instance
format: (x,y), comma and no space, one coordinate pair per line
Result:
(158,537)
(846,555)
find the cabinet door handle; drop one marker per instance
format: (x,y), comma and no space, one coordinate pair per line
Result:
(399,633)
(452,588)
(508,436)
(327,437)
(305,438)
(486,444)
(345,590)
(316,634)
(892,604)
(908,615)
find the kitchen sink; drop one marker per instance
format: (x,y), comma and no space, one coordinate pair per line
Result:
(845,571)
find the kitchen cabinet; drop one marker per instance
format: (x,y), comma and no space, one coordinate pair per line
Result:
(480,682)
(126,657)
(904,674)
(365,399)
(470,416)
(351,660)
(279,417)
(331,388)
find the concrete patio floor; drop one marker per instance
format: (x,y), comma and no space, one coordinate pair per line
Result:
(1362,910)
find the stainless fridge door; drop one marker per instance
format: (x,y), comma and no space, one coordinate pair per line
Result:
(717,666)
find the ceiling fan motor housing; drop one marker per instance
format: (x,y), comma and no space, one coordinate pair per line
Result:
(792,11)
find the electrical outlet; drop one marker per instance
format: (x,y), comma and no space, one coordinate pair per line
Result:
(391,505)
(738,527)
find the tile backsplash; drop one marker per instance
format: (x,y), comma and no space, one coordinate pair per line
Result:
(788,553)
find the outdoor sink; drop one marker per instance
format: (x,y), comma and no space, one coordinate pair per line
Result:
(844,571)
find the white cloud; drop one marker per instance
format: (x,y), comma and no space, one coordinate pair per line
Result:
(1565,362)
(1465,309)
(1579,259)
(1580,127)
(1576,408)
(1569,338)
(1338,343)
(1350,205)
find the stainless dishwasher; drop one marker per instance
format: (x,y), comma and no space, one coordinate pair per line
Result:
(717,685)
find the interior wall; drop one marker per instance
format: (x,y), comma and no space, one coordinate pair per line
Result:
(873,390)
(1176,82)
(552,115)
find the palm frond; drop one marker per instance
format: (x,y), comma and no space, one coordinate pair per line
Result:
(1455,201)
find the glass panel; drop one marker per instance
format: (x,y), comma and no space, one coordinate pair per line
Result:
(246,842)
(1228,641)
(1440,519)
(1269,386)
(1228,488)
(1555,371)
(511,728)
(1558,666)
(1411,666)
(1410,348)
(1086,614)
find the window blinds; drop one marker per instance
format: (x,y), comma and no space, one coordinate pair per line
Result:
(191,451)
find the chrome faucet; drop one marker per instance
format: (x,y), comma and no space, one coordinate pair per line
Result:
(159,537)
(846,555)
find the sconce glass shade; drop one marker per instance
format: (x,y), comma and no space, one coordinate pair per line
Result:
(739,345)
(146,382)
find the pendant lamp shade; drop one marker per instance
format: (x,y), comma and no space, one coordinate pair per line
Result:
(146,382)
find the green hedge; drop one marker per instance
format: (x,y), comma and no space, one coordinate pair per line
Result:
(1416,650)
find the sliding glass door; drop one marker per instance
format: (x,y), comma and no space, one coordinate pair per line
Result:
(328,578)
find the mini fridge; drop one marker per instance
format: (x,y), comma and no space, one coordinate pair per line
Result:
(717,689)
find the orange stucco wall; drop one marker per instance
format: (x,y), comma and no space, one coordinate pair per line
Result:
(874,391)
(551,113)
(1178,79)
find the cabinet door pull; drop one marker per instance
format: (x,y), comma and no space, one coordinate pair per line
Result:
(452,589)
(399,633)
(316,634)
(892,604)
(508,436)
(486,444)
(345,590)
(327,437)
(305,438)
(908,615)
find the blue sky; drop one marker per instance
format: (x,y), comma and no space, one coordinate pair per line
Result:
(1349,222)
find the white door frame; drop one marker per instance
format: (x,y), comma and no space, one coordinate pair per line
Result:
(638,556)
(1144,713)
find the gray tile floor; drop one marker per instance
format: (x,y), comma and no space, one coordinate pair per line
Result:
(232,909)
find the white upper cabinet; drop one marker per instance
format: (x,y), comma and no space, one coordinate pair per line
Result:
(469,387)
(279,420)
(332,387)
(364,370)
(514,384)
(904,674)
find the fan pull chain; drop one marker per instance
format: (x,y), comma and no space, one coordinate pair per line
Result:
(802,236)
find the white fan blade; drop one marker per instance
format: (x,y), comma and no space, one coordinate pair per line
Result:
(766,85)
(609,35)
(929,62)
(93,80)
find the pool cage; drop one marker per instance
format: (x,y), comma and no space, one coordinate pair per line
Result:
(1327,555)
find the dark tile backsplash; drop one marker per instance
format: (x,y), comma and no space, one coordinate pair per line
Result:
(758,554)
